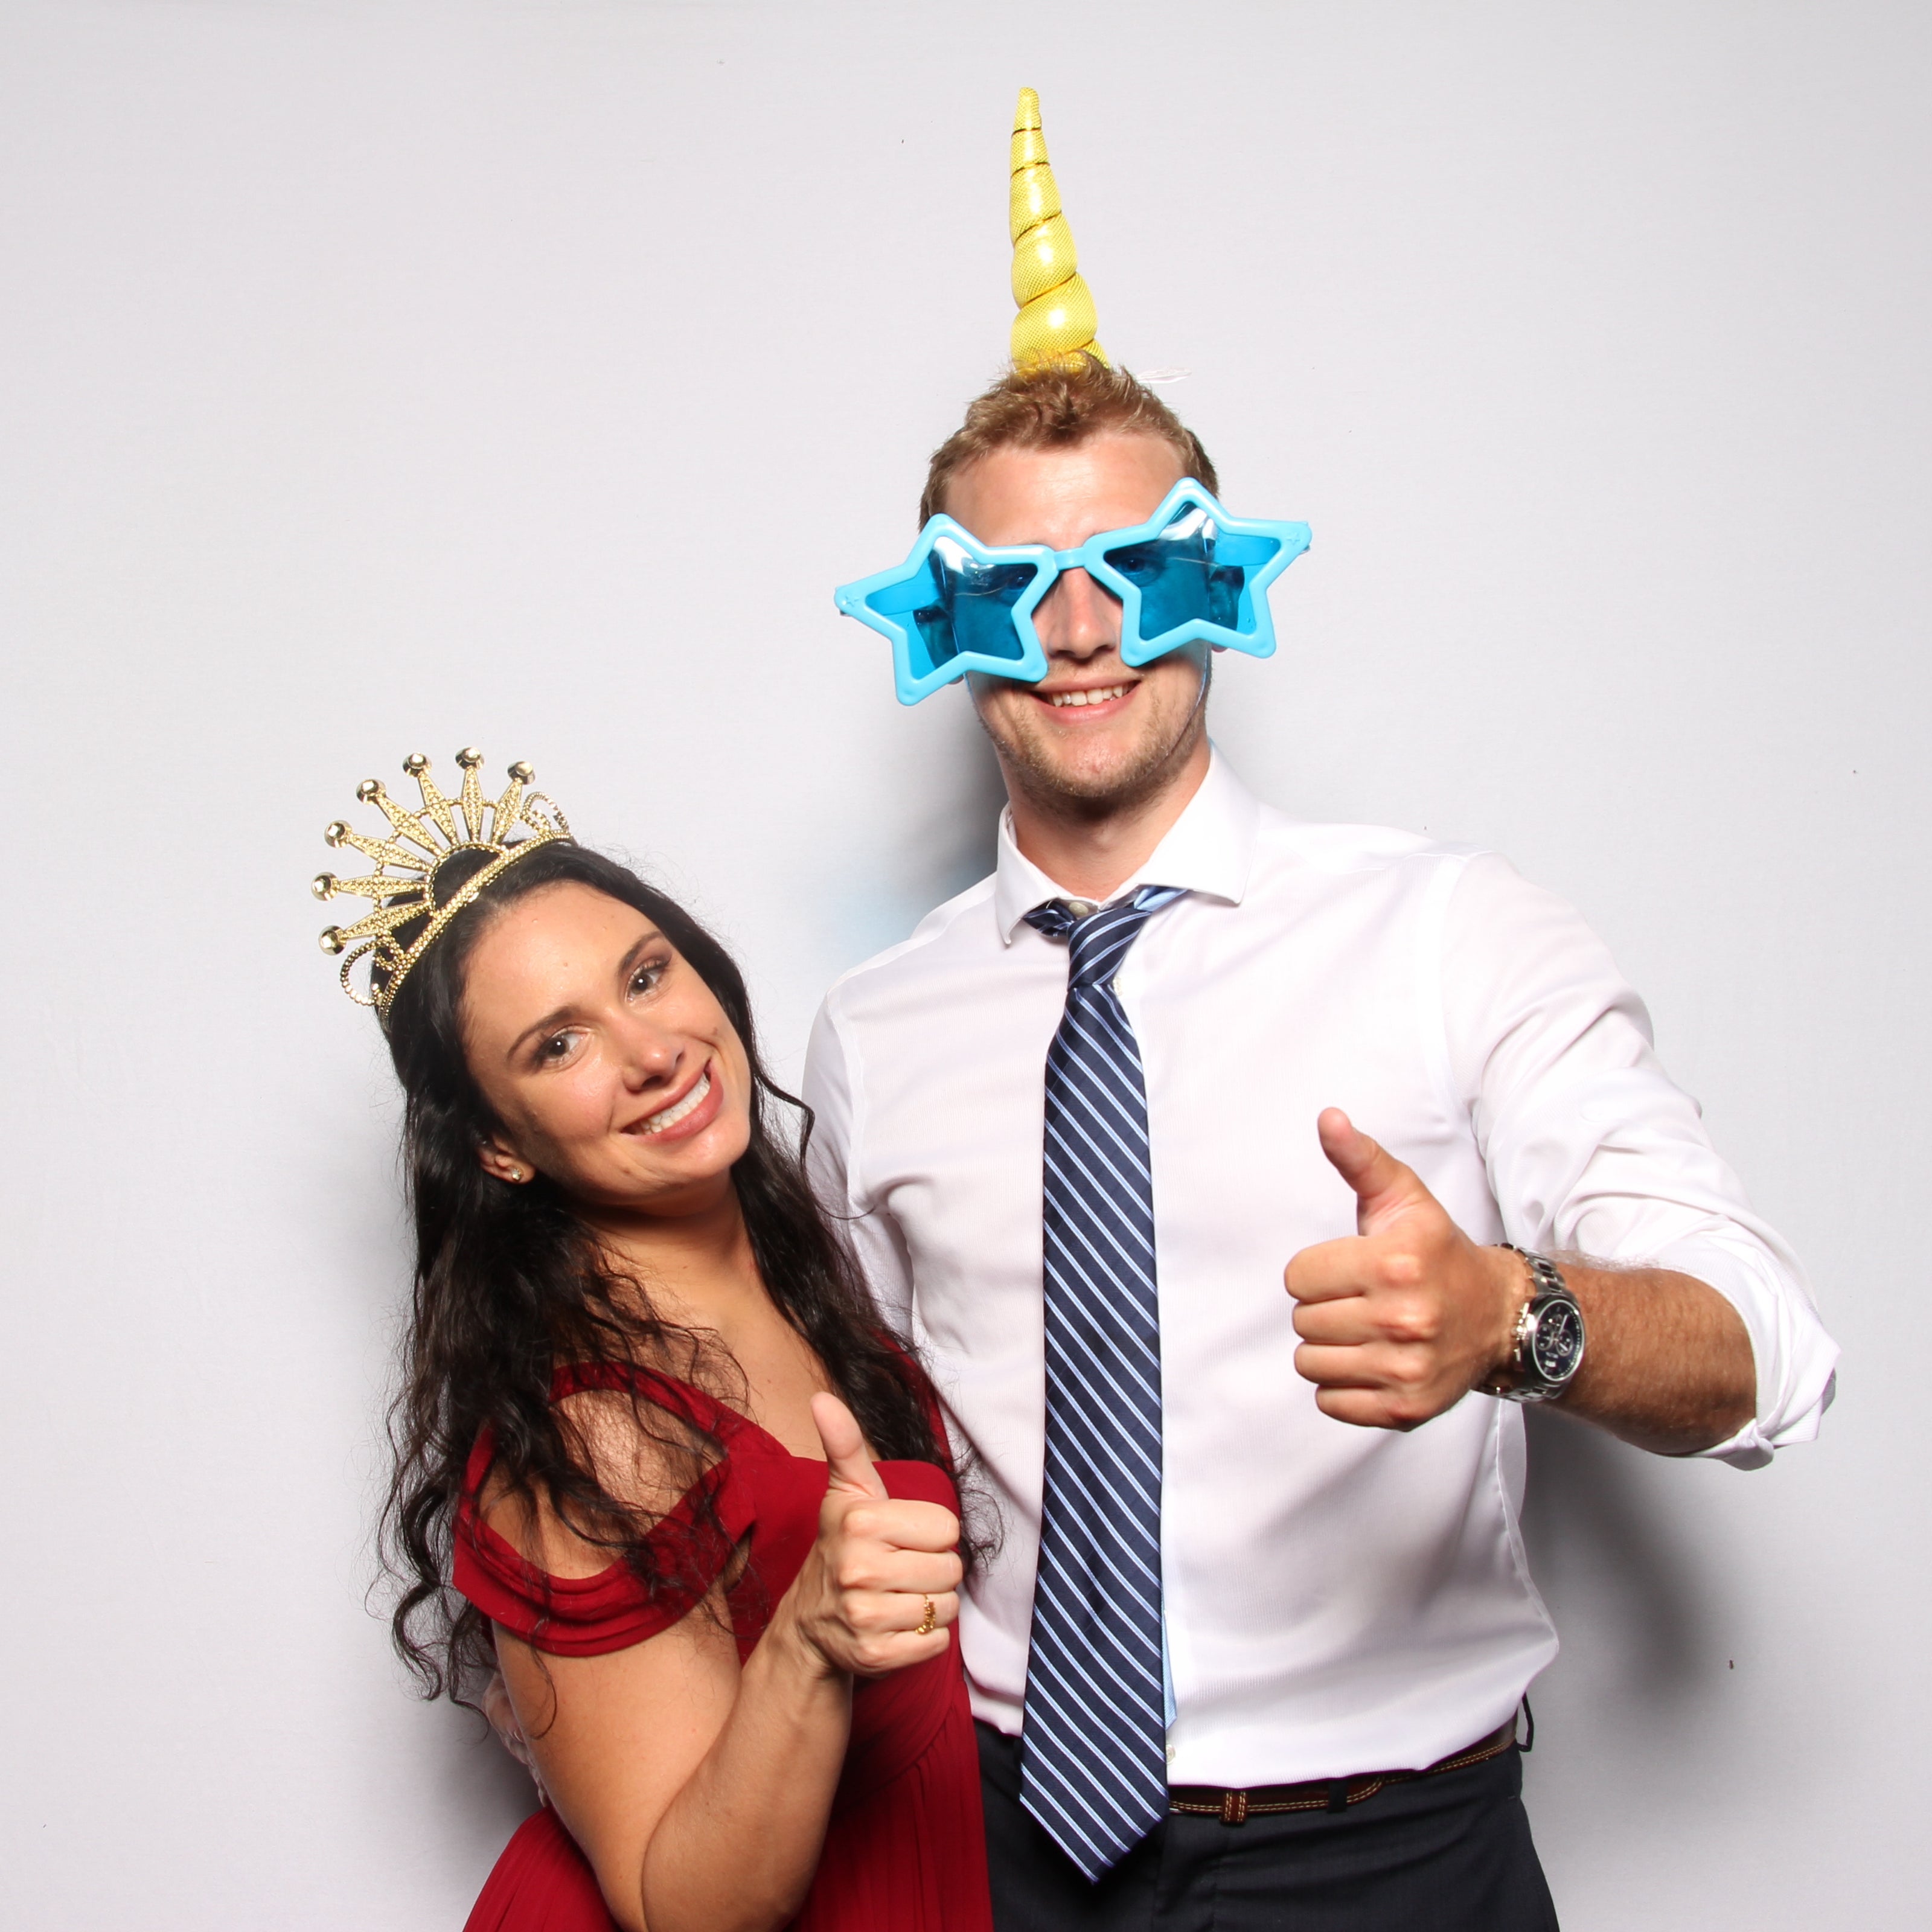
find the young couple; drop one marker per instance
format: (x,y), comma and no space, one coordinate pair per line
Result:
(1238,1642)
(1245,1652)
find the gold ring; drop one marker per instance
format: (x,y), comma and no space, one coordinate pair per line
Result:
(928,1621)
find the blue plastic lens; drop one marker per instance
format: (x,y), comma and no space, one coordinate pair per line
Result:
(1189,572)
(1193,570)
(957,604)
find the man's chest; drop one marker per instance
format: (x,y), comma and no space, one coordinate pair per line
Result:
(1244,1028)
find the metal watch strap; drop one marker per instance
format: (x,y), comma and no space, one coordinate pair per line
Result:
(1546,1279)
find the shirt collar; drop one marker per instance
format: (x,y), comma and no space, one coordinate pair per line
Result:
(1208,849)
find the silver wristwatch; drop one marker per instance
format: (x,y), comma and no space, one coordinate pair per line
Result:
(1547,1348)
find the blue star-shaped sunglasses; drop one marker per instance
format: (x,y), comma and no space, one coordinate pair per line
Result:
(1190,572)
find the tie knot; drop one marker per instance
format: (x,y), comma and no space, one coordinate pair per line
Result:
(1098,942)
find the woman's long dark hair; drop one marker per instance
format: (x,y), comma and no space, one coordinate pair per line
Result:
(511,1285)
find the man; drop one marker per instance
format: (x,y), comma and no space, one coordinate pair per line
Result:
(1260,1549)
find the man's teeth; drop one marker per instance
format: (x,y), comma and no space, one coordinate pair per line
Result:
(1061,699)
(671,1116)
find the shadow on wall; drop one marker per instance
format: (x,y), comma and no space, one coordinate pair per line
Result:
(484,1784)
(962,842)
(947,797)
(1635,1595)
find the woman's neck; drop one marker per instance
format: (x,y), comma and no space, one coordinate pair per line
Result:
(696,1266)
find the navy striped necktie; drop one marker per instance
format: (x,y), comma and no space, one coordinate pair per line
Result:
(1093,1763)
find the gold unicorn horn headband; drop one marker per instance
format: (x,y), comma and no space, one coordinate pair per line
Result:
(1056,321)
(406,883)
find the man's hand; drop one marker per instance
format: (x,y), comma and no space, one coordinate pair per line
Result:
(1399,1322)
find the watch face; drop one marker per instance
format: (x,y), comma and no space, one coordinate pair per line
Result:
(1557,1346)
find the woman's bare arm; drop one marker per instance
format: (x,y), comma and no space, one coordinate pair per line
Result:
(699,1792)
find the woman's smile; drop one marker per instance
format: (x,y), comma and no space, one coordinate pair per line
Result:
(690,1113)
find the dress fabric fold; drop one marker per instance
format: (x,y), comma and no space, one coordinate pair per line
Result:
(904,1850)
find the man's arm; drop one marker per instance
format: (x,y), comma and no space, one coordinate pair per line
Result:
(831,1089)
(1669,1366)
(1702,1337)
(1402,1320)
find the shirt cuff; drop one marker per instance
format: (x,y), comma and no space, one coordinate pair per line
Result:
(1796,1360)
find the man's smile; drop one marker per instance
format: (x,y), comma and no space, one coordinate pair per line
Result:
(1093,700)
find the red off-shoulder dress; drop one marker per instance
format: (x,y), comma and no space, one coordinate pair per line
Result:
(905,1849)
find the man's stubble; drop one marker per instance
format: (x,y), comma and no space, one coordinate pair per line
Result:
(1052,790)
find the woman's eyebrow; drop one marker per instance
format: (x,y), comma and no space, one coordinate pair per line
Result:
(627,964)
(651,936)
(626,967)
(549,1021)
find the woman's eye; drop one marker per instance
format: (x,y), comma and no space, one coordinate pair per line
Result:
(647,976)
(556,1048)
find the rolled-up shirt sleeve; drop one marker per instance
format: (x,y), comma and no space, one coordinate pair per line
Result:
(834,1090)
(1591,1148)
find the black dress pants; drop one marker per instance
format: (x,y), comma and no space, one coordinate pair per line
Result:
(1448,1853)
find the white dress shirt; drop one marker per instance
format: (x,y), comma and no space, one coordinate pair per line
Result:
(1338,1599)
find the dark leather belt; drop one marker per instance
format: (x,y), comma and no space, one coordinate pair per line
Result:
(1323,1794)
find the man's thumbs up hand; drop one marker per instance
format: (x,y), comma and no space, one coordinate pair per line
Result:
(1384,1189)
(1400,1321)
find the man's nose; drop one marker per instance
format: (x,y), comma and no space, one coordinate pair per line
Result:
(1078,618)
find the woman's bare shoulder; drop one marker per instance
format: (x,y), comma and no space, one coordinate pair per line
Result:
(642,1456)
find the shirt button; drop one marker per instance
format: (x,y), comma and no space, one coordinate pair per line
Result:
(1080,908)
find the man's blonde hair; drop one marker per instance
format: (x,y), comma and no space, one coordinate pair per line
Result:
(1057,407)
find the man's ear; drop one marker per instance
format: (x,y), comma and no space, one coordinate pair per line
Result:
(502,1161)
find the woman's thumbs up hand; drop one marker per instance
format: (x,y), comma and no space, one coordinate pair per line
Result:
(881,1586)
(851,1470)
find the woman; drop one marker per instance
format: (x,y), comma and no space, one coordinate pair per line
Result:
(640,1414)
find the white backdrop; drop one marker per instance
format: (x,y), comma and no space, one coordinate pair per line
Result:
(398,376)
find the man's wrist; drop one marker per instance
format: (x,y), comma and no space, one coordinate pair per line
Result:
(1514,1289)
(1545,1348)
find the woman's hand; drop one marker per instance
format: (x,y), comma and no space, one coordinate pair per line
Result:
(881,1586)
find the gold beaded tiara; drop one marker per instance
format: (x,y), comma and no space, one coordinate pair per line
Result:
(404,884)
(1056,322)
